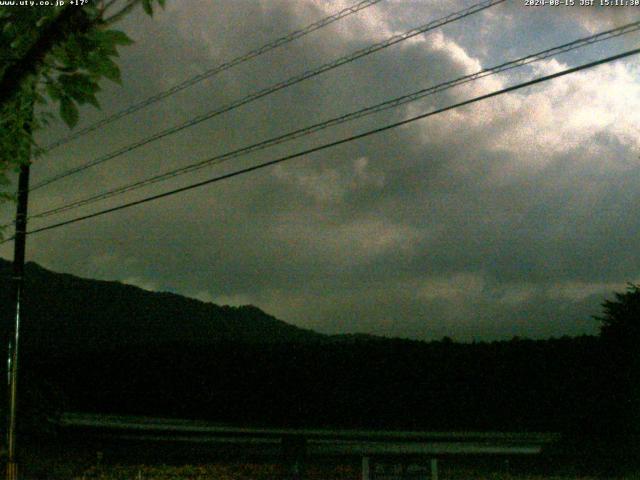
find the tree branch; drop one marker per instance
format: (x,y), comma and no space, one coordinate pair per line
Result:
(122,12)
(108,5)
(72,20)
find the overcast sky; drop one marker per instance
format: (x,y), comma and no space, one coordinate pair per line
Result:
(514,216)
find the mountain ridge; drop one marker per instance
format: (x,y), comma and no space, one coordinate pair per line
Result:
(113,348)
(102,314)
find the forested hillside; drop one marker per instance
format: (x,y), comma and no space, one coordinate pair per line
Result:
(106,347)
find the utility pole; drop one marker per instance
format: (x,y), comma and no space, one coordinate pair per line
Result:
(24,103)
(18,285)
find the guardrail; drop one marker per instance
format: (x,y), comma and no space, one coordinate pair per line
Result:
(295,445)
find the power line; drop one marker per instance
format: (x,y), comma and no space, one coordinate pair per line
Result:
(522,61)
(215,70)
(337,142)
(453,17)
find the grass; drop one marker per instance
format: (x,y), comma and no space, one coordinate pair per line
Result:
(247,471)
(256,471)
(67,464)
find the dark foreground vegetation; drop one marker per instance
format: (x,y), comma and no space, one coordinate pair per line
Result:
(105,347)
(522,385)
(270,471)
(317,470)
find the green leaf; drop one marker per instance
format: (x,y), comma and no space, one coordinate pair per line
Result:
(80,87)
(91,98)
(46,118)
(61,55)
(69,111)
(93,11)
(42,20)
(162,3)
(54,91)
(67,57)
(39,98)
(114,37)
(104,43)
(148,8)
(107,68)
(78,83)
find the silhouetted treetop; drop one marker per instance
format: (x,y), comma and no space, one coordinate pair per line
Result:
(621,317)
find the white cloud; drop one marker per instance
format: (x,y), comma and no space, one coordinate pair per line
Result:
(534,126)
(455,288)
(514,295)
(328,185)
(453,222)
(369,24)
(141,283)
(235,300)
(568,112)
(355,242)
(576,291)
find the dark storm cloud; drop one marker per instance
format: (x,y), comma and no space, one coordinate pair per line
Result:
(512,217)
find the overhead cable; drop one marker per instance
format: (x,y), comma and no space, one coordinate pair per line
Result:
(335,143)
(453,17)
(398,101)
(214,71)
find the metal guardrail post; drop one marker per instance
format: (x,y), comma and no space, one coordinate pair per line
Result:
(365,468)
(434,469)
(294,452)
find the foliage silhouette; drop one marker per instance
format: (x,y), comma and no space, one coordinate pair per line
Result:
(116,348)
(620,321)
(620,335)
(56,55)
